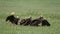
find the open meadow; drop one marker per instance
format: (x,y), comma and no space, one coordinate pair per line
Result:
(49,9)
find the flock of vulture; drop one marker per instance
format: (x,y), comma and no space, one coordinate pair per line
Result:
(27,21)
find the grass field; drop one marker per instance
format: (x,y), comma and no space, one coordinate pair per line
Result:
(49,9)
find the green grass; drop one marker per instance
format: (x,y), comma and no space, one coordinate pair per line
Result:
(49,9)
